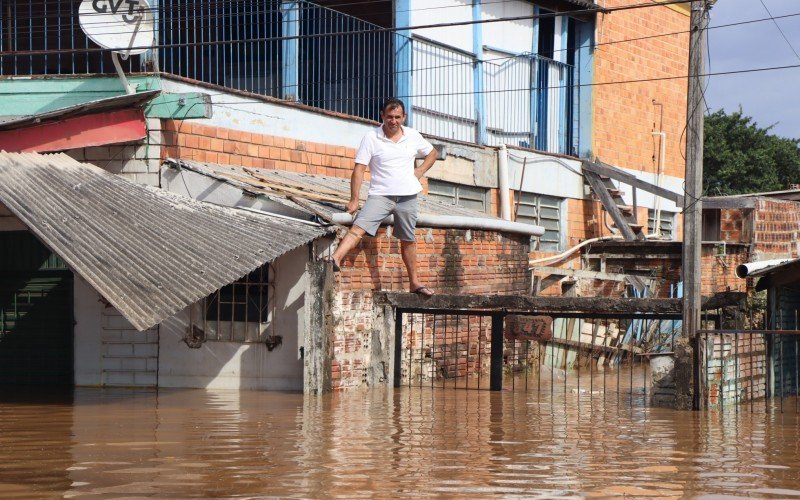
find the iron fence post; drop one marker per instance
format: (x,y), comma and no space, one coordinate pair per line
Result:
(496,369)
(398,344)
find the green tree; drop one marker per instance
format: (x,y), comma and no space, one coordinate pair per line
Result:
(741,157)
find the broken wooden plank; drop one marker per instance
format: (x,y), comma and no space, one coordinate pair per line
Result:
(578,273)
(282,190)
(295,185)
(615,173)
(610,205)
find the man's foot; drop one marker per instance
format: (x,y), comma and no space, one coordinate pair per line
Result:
(423,290)
(330,260)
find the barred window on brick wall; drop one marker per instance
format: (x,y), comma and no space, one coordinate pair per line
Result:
(471,197)
(666,223)
(542,211)
(241,311)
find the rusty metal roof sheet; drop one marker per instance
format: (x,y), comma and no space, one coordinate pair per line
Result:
(150,253)
(325,194)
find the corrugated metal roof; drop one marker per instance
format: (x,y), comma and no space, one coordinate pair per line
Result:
(148,252)
(325,194)
(107,104)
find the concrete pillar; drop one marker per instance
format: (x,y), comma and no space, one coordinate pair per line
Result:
(319,328)
(380,360)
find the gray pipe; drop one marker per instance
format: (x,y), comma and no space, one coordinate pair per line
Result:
(457,222)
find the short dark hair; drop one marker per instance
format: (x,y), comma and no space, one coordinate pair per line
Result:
(393,102)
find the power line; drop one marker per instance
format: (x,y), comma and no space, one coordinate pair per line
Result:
(353,32)
(528,89)
(780,30)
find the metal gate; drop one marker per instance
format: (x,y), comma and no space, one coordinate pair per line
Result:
(486,350)
(36,339)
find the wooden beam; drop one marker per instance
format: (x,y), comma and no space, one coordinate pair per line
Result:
(725,202)
(610,205)
(630,179)
(548,305)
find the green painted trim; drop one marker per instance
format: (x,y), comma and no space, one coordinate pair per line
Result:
(180,106)
(24,96)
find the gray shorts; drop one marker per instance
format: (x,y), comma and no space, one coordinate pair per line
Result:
(377,208)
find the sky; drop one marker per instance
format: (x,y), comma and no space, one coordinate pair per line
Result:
(769,97)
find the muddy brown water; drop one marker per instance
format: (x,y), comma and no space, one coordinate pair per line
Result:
(384,443)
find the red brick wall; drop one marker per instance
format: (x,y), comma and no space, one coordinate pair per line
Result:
(205,143)
(776,228)
(719,272)
(732,226)
(449,261)
(624,114)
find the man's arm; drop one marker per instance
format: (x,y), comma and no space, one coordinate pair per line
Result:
(426,164)
(355,187)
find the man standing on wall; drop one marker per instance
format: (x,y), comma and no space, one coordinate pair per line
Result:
(389,152)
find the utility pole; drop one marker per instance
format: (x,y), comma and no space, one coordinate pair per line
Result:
(693,206)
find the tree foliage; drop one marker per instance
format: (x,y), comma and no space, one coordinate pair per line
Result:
(741,157)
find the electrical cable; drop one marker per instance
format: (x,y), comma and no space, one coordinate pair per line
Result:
(780,30)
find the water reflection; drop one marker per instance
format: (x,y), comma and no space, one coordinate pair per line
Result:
(175,443)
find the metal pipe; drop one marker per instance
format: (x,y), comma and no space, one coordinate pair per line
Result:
(659,180)
(502,182)
(748,268)
(456,222)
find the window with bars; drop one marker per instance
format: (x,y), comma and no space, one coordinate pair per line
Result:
(666,223)
(542,211)
(241,311)
(471,197)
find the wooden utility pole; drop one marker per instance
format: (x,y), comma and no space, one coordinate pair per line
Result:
(692,204)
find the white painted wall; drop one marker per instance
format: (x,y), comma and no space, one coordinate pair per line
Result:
(255,115)
(511,36)
(425,12)
(233,365)
(88,327)
(108,350)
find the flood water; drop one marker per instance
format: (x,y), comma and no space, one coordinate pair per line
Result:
(385,443)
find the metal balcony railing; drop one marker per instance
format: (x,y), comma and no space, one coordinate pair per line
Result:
(301,51)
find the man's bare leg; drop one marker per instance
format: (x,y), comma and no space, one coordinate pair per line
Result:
(349,241)
(409,251)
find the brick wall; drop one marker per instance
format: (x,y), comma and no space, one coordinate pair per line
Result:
(776,229)
(624,114)
(719,271)
(449,261)
(732,226)
(205,143)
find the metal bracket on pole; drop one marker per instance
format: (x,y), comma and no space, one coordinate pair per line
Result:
(125,84)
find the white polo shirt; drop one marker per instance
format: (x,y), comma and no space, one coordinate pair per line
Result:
(391,164)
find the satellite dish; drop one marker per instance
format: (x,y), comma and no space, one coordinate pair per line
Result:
(118,25)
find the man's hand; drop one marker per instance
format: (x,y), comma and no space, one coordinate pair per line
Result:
(352,207)
(427,163)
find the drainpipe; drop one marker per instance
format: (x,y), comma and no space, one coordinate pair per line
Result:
(659,180)
(502,182)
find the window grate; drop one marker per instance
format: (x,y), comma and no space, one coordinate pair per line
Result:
(471,197)
(240,311)
(542,211)
(666,223)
